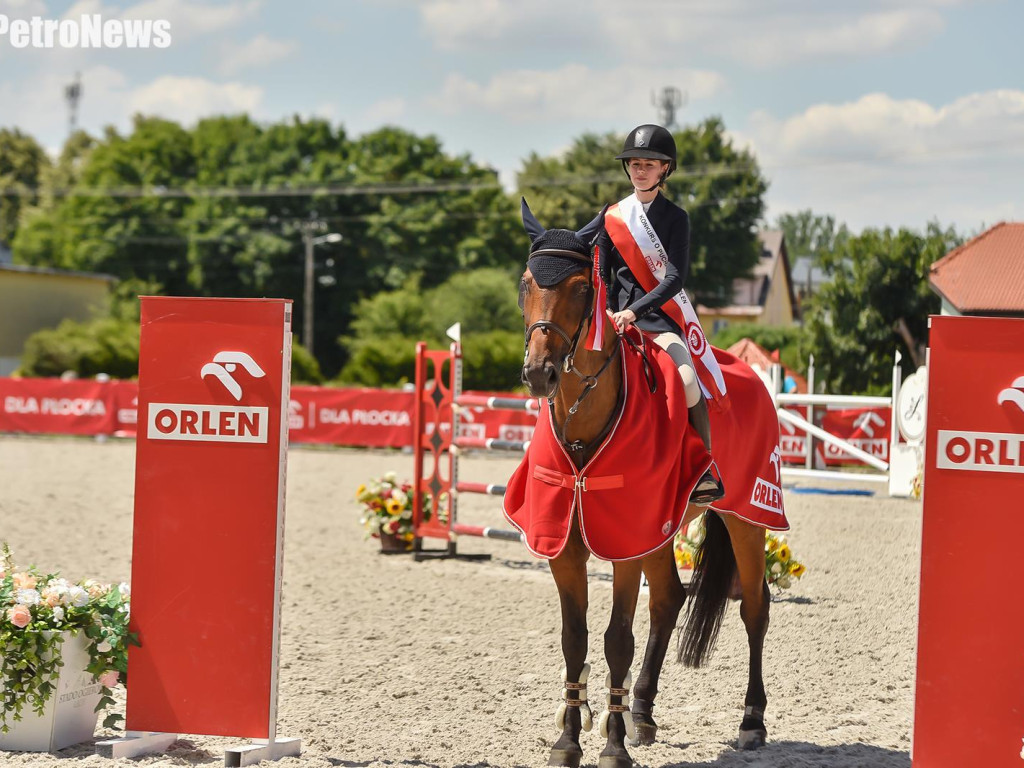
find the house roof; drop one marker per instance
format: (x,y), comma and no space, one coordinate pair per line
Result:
(751,293)
(985,274)
(756,356)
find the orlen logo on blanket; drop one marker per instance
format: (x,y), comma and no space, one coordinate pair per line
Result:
(769,495)
(985,451)
(214,423)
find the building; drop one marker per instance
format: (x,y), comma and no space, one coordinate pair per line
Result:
(34,298)
(765,298)
(984,276)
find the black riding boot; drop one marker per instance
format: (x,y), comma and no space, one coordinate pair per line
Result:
(708,489)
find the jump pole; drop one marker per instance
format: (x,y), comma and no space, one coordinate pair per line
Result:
(436,449)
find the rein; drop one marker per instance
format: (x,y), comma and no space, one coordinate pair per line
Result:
(568,365)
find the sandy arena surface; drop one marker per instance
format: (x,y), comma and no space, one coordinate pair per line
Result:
(390,662)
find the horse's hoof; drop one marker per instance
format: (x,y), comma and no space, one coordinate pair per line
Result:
(753,739)
(565,758)
(646,732)
(614,761)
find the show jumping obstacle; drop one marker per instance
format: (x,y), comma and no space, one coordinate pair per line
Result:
(439,402)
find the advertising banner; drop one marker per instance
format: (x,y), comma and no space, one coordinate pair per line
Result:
(969,703)
(209,515)
(55,406)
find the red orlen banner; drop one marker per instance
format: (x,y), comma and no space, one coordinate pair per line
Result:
(969,705)
(76,407)
(209,515)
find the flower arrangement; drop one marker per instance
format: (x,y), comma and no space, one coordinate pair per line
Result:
(35,609)
(387,508)
(780,567)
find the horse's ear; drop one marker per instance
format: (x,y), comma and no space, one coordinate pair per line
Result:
(530,223)
(589,232)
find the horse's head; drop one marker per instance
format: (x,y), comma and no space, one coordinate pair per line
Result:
(556,295)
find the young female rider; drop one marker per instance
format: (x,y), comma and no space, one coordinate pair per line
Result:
(644,260)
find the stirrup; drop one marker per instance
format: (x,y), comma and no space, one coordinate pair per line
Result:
(707,491)
(586,716)
(621,706)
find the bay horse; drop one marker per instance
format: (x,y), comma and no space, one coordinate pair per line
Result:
(583,388)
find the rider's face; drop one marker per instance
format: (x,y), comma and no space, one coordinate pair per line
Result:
(645,172)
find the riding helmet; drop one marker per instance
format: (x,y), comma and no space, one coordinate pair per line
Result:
(650,141)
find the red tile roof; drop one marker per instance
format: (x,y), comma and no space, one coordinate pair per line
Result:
(985,274)
(756,356)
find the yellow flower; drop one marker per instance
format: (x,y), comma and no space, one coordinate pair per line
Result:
(797,569)
(784,553)
(394,507)
(771,544)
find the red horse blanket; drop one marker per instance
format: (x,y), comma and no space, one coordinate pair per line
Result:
(631,497)
(745,444)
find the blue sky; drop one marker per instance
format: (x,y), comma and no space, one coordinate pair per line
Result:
(879,112)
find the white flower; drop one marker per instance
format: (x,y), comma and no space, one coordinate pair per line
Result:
(776,569)
(26,596)
(124,589)
(784,582)
(397,495)
(103,647)
(78,596)
(391,477)
(58,615)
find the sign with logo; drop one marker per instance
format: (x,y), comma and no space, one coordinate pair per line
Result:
(969,706)
(212,438)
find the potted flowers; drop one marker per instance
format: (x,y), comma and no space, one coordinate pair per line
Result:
(387,512)
(63,647)
(780,567)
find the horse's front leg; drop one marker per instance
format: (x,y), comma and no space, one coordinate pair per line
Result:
(616,720)
(667,595)
(748,547)
(570,572)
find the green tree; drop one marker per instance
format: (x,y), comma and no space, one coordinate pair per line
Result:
(810,234)
(720,186)
(877,302)
(22,166)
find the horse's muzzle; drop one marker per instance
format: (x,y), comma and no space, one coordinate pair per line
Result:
(541,378)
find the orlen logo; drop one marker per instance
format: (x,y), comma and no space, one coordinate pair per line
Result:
(985,451)
(769,495)
(213,423)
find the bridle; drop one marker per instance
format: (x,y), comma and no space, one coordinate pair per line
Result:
(572,342)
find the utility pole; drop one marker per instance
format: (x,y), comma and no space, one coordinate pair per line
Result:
(671,99)
(309,239)
(72,93)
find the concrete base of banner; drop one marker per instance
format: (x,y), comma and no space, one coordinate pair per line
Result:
(261,749)
(135,743)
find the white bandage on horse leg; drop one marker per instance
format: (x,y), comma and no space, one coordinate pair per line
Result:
(621,706)
(586,716)
(690,385)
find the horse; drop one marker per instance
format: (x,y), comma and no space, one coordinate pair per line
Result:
(584,388)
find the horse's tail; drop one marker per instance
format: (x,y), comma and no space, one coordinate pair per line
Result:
(714,566)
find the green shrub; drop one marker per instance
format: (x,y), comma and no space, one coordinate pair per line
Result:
(105,345)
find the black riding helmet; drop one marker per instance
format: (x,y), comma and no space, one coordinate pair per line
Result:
(650,141)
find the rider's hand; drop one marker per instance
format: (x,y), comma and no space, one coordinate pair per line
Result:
(621,320)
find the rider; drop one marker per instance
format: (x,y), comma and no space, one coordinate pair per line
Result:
(627,246)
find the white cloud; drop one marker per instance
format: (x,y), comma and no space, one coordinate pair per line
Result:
(186,99)
(189,19)
(260,51)
(750,31)
(570,92)
(880,159)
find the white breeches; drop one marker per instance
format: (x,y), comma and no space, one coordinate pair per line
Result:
(680,355)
